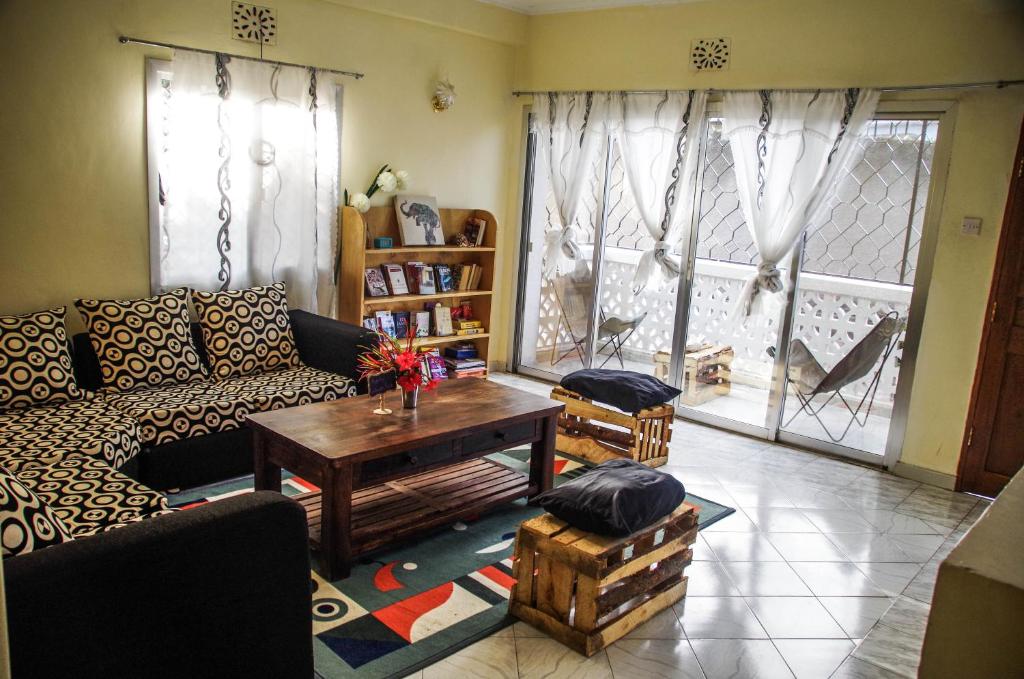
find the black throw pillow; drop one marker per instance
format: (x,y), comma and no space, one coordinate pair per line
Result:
(617,498)
(628,391)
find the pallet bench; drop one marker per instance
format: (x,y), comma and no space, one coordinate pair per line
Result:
(598,434)
(588,590)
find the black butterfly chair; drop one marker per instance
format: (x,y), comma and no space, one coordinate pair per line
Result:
(572,296)
(809,379)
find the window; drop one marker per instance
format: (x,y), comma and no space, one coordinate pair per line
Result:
(243,165)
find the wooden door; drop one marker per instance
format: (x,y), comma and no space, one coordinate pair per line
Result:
(993,449)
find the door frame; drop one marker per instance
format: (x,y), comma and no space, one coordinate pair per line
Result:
(974,450)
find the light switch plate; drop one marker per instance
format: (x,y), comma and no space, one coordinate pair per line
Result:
(971,226)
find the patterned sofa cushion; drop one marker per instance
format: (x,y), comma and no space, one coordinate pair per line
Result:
(45,434)
(89,496)
(142,342)
(246,332)
(181,411)
(27,523)
(289,387)
(35,362)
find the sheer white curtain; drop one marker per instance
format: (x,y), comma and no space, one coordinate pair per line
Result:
(787,148)
(571,128)
(658,140)
(248,178)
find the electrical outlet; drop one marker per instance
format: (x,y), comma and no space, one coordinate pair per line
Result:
(971,226)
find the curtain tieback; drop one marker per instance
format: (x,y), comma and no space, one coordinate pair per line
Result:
(560,243)
(768,278)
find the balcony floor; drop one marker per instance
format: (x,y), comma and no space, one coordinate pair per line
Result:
(748,404)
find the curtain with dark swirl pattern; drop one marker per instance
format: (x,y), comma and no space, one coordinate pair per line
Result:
(658,137)
(249,173)
(788,148)
(571,129)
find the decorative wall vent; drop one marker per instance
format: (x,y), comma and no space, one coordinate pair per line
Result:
(253,23)
(710,54)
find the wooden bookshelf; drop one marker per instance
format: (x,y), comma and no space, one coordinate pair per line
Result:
(357,254)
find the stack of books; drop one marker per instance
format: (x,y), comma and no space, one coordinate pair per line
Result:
(461,360)
(468,327)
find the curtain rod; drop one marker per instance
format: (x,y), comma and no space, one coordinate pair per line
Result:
(998,84)
(124,40)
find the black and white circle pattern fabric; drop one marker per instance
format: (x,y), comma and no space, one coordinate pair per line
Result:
(181,411)
(142,342)
(291,387)
(122,524)
(44,435)
(87,495)
(246,331)
(35,362)
(27,523)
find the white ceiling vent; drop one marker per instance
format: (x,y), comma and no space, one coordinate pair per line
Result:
(253,23)
(710,54)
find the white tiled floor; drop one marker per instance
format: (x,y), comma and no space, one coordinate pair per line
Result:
(825,570)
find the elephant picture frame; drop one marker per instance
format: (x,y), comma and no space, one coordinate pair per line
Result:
(419,220)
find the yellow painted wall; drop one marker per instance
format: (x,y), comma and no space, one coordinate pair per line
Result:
(73,178)
(811,43)
(73,184)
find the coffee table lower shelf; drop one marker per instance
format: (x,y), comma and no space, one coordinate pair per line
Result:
(388,512)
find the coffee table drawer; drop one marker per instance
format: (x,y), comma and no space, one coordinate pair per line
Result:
(408,462)
(499,438)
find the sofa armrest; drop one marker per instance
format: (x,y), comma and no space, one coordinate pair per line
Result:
(327,344)
(219,590)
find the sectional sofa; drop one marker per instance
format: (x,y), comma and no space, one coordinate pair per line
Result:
(126,586)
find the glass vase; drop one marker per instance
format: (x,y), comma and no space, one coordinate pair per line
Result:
(410,397)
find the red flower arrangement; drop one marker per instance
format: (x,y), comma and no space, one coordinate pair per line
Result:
(409,367)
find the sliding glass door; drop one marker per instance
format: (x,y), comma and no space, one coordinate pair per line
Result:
(561,328)
(825,367)
(855,289)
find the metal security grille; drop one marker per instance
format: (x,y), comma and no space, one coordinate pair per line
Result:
(722,232)
(872,224)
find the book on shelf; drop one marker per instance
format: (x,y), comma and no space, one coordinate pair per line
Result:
(375,284)
(395,276)
(461,374)
(412,276)
(464,363)
(442,321)
(401,324)
(436,368)
(465,332)
(475,231)
(386,322)
(422,324)
(427,285)
(444,278)
(465,324)
(370,323)
(461,350)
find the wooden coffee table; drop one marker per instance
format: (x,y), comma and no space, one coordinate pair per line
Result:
(388,477)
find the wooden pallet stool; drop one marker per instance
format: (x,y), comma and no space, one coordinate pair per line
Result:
(588,590)
(707,373)
(584,431)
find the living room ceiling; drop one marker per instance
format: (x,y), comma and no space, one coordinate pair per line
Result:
(555,6)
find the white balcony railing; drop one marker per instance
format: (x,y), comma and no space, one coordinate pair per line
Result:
(833,314)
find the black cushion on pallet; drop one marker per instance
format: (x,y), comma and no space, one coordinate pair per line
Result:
(616,498)
(626,390)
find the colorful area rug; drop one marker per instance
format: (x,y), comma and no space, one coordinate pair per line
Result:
(408,607)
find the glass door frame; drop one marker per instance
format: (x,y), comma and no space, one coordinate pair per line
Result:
(943,112)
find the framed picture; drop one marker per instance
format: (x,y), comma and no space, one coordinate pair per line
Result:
(418,220)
